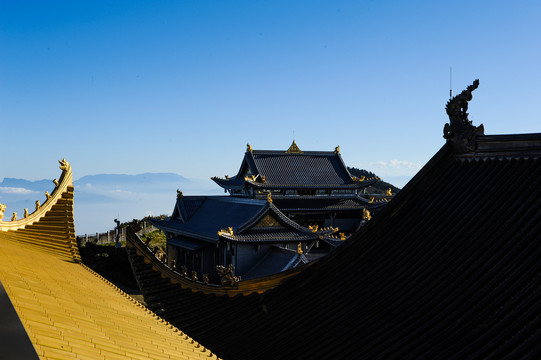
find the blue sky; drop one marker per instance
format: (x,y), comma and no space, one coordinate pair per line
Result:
(181,86)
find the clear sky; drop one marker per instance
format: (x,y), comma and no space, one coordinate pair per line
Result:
(182,86)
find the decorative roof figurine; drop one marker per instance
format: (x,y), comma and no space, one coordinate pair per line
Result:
(228,278)
(248,148)
(64,164)
(460,129)
(2,209)
(366,215)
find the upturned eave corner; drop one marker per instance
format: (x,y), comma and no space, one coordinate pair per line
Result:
(62,186)
(460,131)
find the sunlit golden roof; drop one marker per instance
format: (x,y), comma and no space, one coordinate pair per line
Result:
(69,311)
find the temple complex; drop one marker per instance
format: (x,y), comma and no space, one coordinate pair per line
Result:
(448,269)
(309,187)
(284,209)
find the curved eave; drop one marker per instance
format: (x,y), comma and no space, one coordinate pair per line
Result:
(66,181)
(163,226)
(332,241)
(282,219)
(51,227)
(271,186)
(245,287)
(247,239)
(229,183)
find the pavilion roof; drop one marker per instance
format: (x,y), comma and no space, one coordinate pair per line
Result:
(202,216)
(270,225)
(209,217)
(448,269)
(326,203)
(293,169)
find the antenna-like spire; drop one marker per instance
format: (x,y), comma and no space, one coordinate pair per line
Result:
(450,82)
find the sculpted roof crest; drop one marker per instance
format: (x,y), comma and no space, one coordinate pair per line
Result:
(294,149)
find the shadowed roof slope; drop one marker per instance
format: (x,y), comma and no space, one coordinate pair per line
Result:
(448,270)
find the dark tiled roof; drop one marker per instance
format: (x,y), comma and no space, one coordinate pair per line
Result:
(448,269)
(283,230)
(208,214)
(271,235)
(236,183)
(273,262)
(323,203)
(309,169)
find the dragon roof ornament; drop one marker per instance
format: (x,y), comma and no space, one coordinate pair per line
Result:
(460,129)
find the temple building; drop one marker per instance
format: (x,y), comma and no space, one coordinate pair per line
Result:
(284,209)
(309,187)
(449,269)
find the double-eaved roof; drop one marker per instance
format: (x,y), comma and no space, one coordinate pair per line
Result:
(236,219)
(447,270)
(201,217)
(293,169)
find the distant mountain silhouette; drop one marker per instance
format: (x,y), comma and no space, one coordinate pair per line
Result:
(38,185)
(136,180)
(101,198)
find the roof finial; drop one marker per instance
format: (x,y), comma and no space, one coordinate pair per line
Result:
(337,150)
(293,149)
(248,148)
(460,129)
(179,194)
(299,249)
(450,83)
(269,197)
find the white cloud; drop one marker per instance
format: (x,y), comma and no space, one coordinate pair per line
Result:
(16,190)
(394,167)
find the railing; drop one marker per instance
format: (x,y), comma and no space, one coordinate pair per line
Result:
(244,287)
(109,237)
